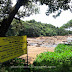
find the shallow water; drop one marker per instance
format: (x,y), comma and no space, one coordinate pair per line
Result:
(44,45)
(33,44)
(49,45)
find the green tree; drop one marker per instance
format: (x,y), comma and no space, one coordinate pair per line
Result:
(29,8)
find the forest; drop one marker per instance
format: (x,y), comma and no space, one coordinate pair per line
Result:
(35,29)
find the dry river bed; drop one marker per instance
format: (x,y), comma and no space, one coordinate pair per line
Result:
(39,45)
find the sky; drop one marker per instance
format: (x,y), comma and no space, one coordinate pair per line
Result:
(41,17)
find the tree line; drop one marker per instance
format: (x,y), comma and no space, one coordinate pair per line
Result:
(34,29)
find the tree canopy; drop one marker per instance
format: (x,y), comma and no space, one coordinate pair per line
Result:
(28,8)
(56,5)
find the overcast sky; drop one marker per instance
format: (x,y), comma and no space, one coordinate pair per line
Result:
(59,21)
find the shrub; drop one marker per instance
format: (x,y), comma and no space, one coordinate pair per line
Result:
(61,60)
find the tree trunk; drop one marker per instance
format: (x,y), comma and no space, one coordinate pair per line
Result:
(6,22)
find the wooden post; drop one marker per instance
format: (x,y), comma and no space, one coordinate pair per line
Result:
(27,55)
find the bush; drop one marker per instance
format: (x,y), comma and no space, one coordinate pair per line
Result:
(62,61)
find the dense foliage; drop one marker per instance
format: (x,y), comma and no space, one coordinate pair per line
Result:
(6,8)
(34,29)
(58,61)
(56,5)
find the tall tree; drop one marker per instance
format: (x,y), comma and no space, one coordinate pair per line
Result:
(29,9)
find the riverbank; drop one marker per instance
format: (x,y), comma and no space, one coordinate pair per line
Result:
(39,45)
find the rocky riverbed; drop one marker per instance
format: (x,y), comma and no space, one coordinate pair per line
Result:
(46,41)
(39,45)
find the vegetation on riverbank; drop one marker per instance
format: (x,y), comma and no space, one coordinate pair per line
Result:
(58,61)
